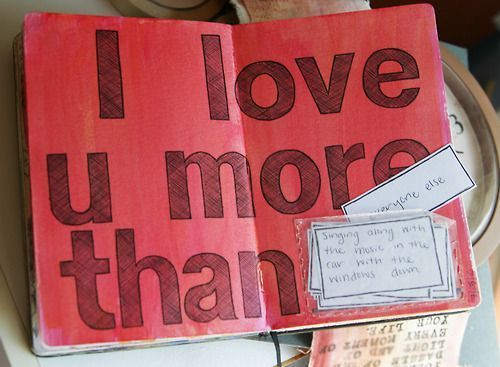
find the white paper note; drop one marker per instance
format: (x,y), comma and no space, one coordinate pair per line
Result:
(368,258)
(428,184)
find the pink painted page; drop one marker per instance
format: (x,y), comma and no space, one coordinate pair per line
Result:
(169,159)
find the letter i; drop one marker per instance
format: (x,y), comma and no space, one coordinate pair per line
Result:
(109,75)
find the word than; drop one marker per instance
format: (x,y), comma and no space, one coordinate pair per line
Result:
(85,267)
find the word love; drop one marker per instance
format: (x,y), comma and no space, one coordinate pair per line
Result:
(328,95)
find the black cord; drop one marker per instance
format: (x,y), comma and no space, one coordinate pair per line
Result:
(276,342)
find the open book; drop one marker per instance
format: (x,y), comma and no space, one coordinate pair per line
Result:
(166,162)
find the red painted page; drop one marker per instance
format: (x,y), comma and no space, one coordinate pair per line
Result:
(168,161)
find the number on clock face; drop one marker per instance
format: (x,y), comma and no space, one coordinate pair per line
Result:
(466,144)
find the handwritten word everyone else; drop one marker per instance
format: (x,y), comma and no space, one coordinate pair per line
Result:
(328,97)
(399,203)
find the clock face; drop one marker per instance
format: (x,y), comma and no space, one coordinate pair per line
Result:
(175,9)
(468,148)
(476,139)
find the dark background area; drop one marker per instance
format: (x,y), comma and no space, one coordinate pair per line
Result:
(474,25)
(461,22)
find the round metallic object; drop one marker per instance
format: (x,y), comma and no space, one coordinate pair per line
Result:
(476,137)
(174,9)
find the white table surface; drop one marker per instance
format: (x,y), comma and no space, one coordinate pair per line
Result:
(14,308)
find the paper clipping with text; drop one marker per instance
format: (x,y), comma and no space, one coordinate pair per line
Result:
(432,341)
